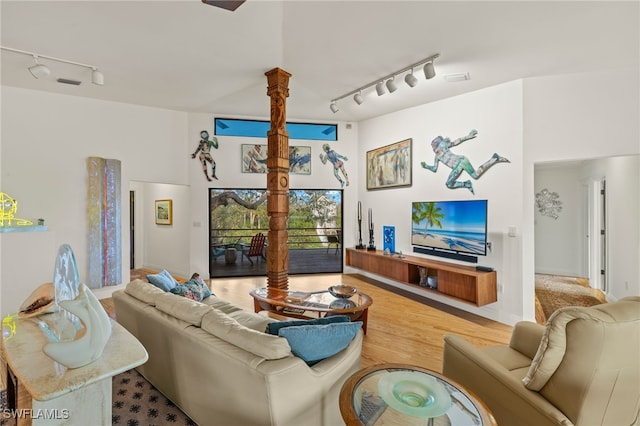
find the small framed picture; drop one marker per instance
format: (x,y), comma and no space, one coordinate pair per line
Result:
(164,212)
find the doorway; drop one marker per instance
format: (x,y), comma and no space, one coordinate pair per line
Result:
(596,233)
(132,228)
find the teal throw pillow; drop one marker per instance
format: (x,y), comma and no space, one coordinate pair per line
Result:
(190,290)
(314,343)
(163,280)
(274,327)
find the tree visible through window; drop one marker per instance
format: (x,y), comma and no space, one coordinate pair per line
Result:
(313,224)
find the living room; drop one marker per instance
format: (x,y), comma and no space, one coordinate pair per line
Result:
(47,137)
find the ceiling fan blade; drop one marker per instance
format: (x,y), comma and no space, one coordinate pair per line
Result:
(225,4)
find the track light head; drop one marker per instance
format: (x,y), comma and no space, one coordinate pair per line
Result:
(391,85)
(334,107)
(358,98)
(39,70)
(380,88)
(429,70)
(97,77)
(411,79)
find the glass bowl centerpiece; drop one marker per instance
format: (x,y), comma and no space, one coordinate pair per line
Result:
(342,291)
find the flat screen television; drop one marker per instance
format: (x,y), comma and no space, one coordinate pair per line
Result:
(450,226)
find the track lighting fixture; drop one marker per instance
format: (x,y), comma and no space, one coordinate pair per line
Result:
(391,85)
(39,70)
(429,71)
(411,79)
(389,81)
(97,77)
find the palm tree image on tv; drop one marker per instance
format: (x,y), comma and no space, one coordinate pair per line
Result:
(458,226)
(427,212)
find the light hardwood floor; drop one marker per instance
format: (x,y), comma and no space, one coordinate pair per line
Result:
(399,329)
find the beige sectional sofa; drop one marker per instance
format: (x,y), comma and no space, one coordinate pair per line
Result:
(214,361)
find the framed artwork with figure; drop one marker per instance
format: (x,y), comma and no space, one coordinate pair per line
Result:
(164,212)
(389,166)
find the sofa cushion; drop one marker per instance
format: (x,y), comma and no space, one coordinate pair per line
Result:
(221,305)
(274,327)
(182,308)
(163,280)
(143,291)
(191,290)
(251,320)
(228,329)
(314,343)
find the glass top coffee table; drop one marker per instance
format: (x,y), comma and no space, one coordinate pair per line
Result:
(299,304)
(400,394)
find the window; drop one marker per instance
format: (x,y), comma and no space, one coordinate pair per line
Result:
(259,129)
(314,227)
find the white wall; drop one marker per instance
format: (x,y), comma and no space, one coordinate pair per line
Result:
(622,174)
(559,243)
(496,113)
(228,170)
(46,139)
(569,117)
(561,246)
(162,246)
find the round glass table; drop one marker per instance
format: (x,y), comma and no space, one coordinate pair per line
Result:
(401,394)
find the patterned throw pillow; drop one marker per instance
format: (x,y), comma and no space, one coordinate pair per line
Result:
(190,290)
(193,289)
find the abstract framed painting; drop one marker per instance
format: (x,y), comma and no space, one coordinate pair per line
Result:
(254,159)
(389,166)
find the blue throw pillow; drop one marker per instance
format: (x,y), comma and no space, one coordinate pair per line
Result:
(190,290)
(163,280)
(274,327)
(314,343)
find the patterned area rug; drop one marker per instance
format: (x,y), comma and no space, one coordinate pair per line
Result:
(136,402)
(555,291)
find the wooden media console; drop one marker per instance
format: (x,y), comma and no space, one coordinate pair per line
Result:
(457,281)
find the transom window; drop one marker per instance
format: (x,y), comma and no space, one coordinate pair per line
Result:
(259,128)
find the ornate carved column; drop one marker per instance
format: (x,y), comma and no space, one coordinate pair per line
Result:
(278,181)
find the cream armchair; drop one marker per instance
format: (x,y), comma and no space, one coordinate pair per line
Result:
(582,368)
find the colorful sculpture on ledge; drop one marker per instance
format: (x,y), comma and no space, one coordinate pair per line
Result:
(8,207)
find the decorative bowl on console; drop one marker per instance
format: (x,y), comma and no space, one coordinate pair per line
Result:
(342,291)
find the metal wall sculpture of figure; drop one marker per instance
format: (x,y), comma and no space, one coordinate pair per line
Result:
(459,163)
(204,148)
(338,165)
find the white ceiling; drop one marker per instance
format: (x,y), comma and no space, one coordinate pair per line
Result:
(189,56)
